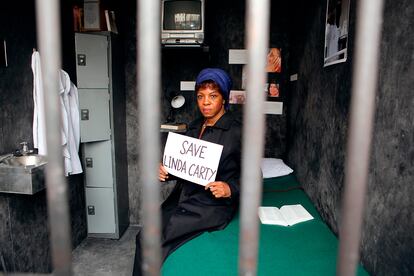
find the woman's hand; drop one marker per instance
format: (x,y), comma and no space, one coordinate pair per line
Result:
(219,189)
(162,173)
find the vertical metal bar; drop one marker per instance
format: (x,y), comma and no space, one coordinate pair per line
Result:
(365,76)
(48,30)
(148,77)
(257,14)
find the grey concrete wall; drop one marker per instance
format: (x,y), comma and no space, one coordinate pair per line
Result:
(318,124)
(387,242)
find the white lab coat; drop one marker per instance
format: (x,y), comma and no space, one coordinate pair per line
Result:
(71,128)
(39,122)
(70,117)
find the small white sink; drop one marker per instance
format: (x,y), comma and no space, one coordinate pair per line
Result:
(27,160)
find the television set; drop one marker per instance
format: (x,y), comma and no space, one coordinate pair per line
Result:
(182,22)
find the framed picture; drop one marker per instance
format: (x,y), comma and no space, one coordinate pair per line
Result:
(91,16)
(237,97)
(336,31)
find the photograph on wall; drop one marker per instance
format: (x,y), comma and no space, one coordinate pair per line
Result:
(272,88)
(336,31)
(273,65)
(237,97)
(274,60)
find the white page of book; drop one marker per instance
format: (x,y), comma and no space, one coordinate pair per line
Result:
(271,215)
(295,213)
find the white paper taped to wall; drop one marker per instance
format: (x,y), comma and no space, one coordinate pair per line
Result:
(187,85)
(273,108)
(237,56)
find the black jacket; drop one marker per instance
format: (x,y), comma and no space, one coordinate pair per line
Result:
(191,210)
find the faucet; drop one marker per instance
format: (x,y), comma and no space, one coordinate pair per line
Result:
(25,148)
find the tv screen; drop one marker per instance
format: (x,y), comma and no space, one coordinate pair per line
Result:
(182,15)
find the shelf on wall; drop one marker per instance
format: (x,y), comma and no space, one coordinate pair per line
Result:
(203,47)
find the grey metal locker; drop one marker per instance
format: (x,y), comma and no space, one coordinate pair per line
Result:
(100,75)
(94,113)
(100,211)
(91,68)
(97,160)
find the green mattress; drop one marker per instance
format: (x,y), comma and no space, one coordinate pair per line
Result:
(307,248)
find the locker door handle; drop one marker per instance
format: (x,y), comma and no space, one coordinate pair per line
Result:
(89,162)
(91,210)
(81,60)
(84,114)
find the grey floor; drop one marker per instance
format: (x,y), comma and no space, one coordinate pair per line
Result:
(105,256)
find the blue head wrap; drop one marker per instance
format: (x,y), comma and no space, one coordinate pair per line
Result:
(220,77)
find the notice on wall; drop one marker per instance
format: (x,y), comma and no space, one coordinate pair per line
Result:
(187,85)
(273,108)
(191,159)
(237,56)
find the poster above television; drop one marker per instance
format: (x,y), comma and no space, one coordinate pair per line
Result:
(182,22)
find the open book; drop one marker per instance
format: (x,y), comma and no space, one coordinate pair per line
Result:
(287,215)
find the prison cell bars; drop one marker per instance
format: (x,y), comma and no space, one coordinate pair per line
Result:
(257,41)
(362,109)
(148,94)
(48,30)
(365,77)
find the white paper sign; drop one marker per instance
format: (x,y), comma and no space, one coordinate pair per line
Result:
(191,159)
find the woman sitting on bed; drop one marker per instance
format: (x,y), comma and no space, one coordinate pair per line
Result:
(192,209)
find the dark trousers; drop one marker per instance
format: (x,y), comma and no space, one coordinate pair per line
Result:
(166,211)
